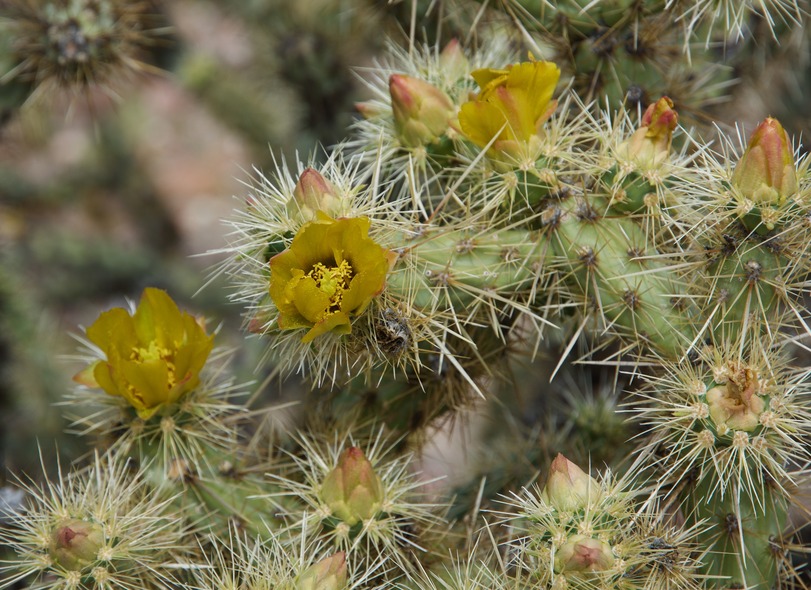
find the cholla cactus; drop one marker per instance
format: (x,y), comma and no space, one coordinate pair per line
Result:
(581,533)
(369,507)
(490,209)
(99,528)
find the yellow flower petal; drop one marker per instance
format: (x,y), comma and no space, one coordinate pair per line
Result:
(481,122)
(311,302)
(114,330)
(537,80)
(512,106)
(158,318)
(334,322)
(103,375)
(488,78)
(148,382)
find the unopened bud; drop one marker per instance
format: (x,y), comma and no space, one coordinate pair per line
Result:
(649,146)
(568,487)
(353,491)
(766,173)
(327,574)
(452,60)
(313,193)
(422,112)
(583,554)
(75,544)
(368,110)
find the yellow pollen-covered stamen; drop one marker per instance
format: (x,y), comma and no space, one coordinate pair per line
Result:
(332,280)
(156,352)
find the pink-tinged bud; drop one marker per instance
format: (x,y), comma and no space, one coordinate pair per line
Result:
(327,574)
(452,60)
(368,110)
(313,193)
(75,544)
(766,173)
(353,491)
(422,112)
(568,487)
(583,554)
(649,146)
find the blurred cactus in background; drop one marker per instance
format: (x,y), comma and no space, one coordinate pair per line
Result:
(516,298)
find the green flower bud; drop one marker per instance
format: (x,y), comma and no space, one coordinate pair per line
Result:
(568,487)
(327,574)
(452,60)
(422,112)
(313,193)
(75,543)
(353,491)
(766,173)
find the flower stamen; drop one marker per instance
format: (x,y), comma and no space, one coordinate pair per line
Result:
(332,281)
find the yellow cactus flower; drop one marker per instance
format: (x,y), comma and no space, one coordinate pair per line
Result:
(152,357)
(512,107)
(332,270)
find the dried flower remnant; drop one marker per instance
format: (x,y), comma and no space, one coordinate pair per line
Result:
(649,146)
(736,402)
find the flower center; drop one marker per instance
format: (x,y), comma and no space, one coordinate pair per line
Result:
(155,352)
(332,281)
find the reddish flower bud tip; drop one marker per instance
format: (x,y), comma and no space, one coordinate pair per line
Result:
(400,90)
(75,543)
(367,109)
(649,146)
(584,554)
(452,47)
(314,193)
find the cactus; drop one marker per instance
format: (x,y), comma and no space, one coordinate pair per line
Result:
(492,223)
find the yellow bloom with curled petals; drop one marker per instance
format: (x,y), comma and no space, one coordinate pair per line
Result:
(153,357)
(331,271)
(512,106)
